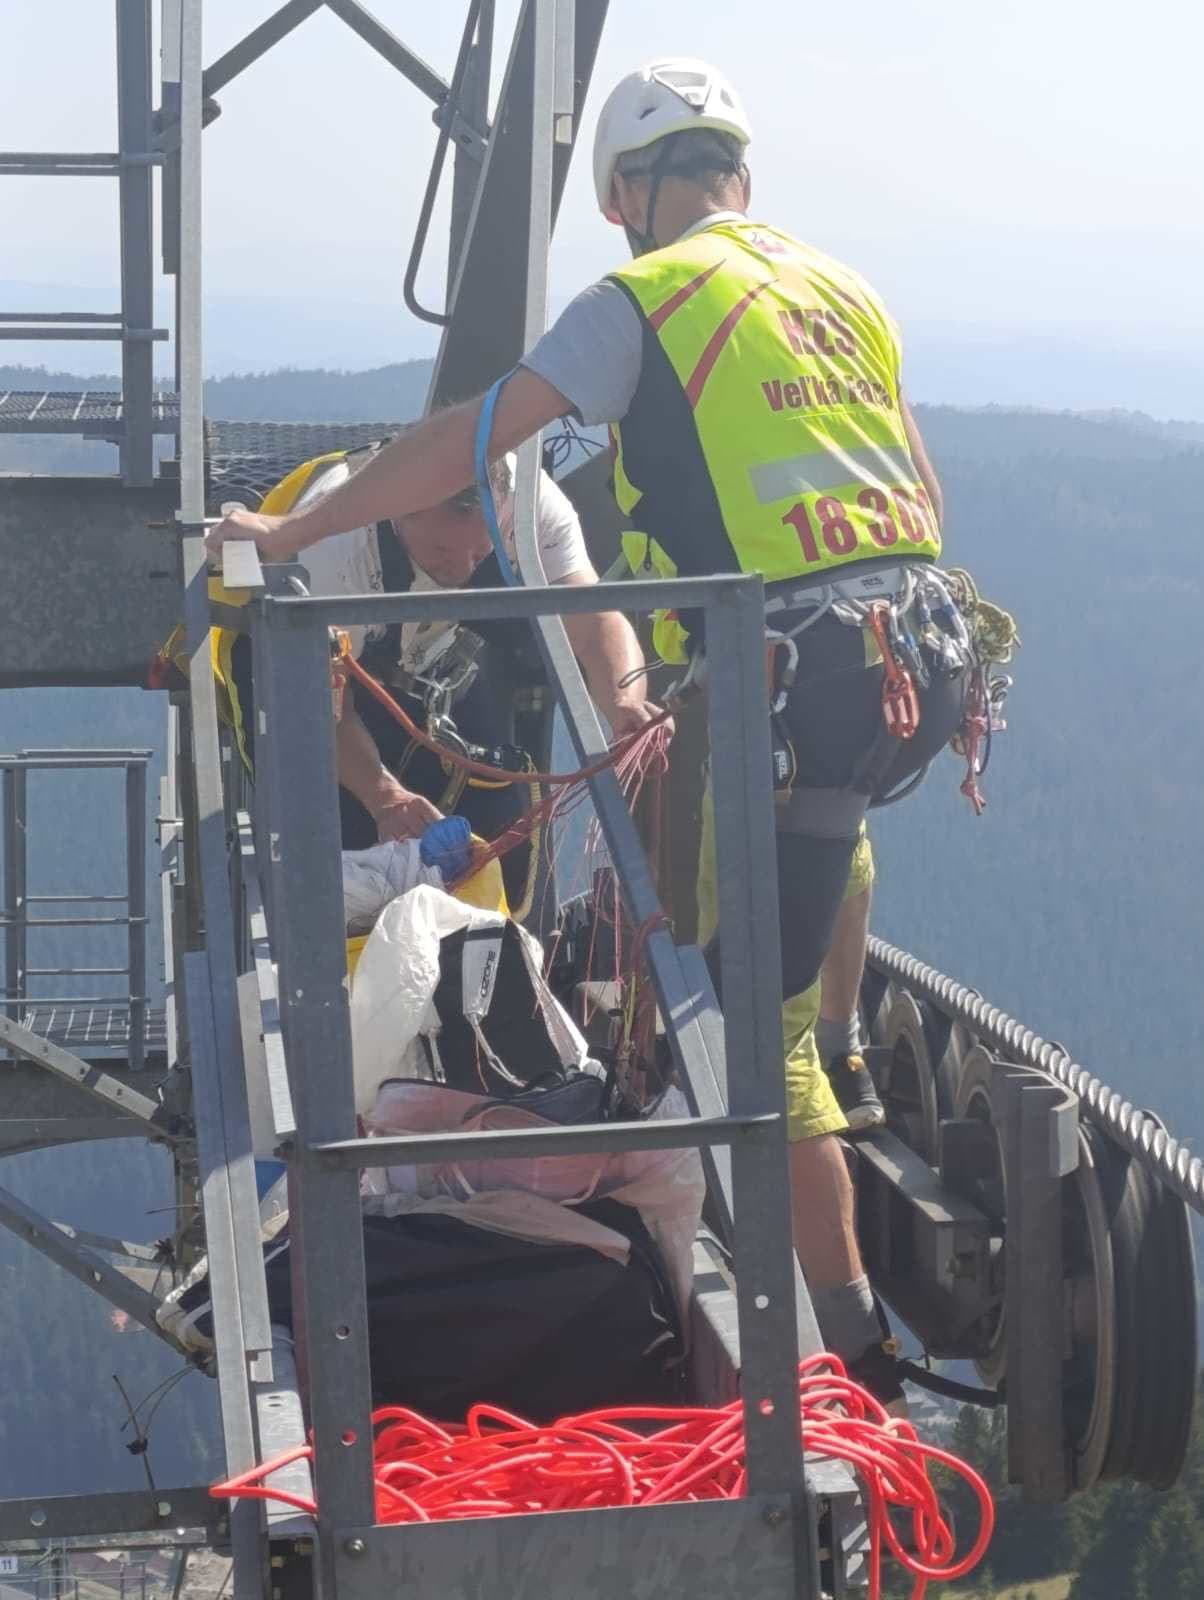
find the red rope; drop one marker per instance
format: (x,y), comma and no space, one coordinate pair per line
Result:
(479,769)
(497,1464)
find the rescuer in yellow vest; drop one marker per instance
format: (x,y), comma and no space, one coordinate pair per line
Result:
(752,386)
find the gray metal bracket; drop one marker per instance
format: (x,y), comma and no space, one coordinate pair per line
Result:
(122,1511)
(926,1249)
(1040,1150)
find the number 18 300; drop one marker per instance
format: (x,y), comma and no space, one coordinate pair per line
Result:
(901,512)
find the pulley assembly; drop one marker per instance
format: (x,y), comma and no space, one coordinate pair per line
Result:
(1009,1230)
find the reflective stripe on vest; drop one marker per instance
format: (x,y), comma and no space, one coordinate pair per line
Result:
(772,373)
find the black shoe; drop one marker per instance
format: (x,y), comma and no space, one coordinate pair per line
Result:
(855,1092)
(877,1371)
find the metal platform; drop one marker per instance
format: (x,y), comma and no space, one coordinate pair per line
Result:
(243,460)
(92,413)
(97,1030)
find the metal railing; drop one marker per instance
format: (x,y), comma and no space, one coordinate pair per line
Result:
(132,425)
(731,1063)
(126,910)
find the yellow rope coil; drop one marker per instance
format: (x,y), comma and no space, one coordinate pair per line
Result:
(993,629)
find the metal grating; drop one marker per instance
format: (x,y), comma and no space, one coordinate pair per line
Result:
(96,1028)
(96,412)
(245,459)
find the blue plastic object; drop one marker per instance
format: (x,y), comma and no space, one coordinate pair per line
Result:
(485,487)
(267,1173)
(447,844)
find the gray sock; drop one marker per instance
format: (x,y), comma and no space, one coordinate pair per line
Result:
(847,1319)
(837,1038)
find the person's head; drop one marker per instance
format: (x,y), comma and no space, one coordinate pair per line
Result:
(669,149)
(449,541)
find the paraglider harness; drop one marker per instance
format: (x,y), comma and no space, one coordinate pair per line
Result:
(443,676)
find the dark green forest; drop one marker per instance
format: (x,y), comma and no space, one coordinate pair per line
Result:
(1075,902)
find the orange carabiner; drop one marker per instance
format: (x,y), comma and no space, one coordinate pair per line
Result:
(900,704)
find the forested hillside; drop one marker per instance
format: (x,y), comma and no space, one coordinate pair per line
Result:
(1074,902)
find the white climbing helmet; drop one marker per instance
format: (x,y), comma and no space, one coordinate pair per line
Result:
(664,97)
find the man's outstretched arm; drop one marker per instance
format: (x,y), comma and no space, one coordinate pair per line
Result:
(421,469)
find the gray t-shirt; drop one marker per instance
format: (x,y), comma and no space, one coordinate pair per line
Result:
(592,353)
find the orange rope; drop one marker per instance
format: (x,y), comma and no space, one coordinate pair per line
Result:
(480,769)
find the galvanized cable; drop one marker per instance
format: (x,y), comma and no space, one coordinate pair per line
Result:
(1165,1158)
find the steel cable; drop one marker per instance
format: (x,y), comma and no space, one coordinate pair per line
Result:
(1141,1135)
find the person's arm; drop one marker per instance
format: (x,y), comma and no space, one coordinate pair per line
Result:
(397,812)
(423,468)
(605,644)
(924,466)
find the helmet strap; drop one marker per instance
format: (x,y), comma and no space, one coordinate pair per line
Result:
(641,243)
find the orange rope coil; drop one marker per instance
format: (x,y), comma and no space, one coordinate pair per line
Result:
(497,1464)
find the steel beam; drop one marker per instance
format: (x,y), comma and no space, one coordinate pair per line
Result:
(118,1096)
(136,200)
(135,848)
(72,539)
(257,43)
(505,1144)
(485,336)
(710,1551)
(295,735)
(168,116)
(390,47)
(467,162)
(281,1427)
(1040,1150)
(12,779)
(231,1125)
(60,163)
(752,1012)
(60,316)
(29,1091)
(129,336)
(492,605)
(221,1243)
(21,1134)
(99,1275)
(263,976)
(138,1254)
(124,1511)
(240,1316)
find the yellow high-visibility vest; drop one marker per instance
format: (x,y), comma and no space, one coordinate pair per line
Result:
(766,433)
(669,637)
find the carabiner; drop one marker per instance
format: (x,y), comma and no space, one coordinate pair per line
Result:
(900,704)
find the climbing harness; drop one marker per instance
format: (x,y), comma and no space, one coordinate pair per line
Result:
(994,637)
(900,706)
(923,622)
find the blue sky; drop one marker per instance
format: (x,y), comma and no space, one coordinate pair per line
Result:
(1021,181)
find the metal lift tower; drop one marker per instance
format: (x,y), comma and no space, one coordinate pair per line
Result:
(1016,1213)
